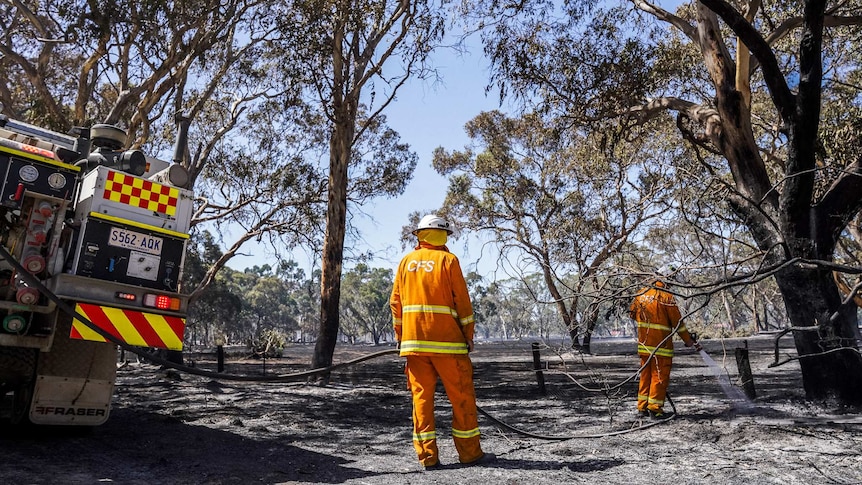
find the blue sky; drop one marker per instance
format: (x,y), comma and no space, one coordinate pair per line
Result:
(428,117)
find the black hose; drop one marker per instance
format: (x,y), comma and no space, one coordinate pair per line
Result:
(570,437)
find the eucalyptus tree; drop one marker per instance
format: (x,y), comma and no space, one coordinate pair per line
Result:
(756,90)
(270,306)
(492,307)
(485,301)
(556,200)
(306,293)
(356,55)
(218,308)
(365,303)
(508,310)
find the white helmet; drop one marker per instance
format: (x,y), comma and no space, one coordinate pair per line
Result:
(432,221)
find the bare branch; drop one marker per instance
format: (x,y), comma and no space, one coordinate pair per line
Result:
(782,97)
(686,28)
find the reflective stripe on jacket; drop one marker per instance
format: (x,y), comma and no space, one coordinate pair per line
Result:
(431,309)
(657,315)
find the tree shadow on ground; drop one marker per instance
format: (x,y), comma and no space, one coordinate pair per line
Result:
(167,451)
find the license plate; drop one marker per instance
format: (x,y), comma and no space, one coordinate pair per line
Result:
(124,238)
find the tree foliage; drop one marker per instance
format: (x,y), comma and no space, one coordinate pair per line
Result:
(754,113)
(365,303)
(258,307)
(556,198)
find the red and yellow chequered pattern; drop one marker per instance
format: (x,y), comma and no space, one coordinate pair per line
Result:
(129,326)
(137,192)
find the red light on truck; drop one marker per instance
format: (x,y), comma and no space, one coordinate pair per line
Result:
(162,302)
(126,296)
(36,150)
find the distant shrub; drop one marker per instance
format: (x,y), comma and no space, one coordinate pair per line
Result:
(270,343)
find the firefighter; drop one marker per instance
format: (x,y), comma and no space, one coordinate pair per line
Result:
(433,320)
(657,316)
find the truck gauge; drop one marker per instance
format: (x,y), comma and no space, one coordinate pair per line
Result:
(56,180)
(28,173)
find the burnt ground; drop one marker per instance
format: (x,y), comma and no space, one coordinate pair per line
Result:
(172,428)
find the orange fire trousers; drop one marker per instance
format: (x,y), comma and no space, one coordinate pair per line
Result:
(655,378)
(456,374)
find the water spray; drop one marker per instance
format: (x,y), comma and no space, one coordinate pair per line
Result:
(735,394)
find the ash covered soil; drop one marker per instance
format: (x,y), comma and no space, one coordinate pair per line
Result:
(173,428)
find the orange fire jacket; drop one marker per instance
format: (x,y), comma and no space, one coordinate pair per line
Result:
(431,309)
(657,316)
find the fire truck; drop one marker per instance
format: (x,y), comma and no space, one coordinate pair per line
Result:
(92,246)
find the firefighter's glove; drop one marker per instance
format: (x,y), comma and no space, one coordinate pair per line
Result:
(697,346)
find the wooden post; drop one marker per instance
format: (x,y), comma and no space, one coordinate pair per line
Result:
(743,365)
(220,357)
(537,366)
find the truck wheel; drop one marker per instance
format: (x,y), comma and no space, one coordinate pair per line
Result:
(21,404)
(17,370)
(17,364)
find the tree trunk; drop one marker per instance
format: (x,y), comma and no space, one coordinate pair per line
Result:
(755,313)
(333,243)
(728,311)
(759,325)
(590,318)
(568,321)
(789,215)
(573,334)
(812,299)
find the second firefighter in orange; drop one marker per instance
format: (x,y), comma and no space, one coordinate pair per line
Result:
(658,318)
